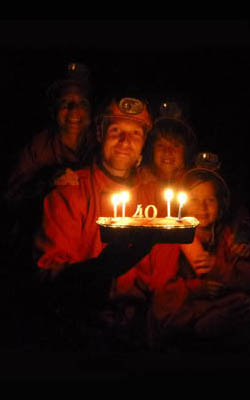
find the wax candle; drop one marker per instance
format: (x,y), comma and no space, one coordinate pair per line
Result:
(168,196)
(124,197)
(182,197)
(115,201)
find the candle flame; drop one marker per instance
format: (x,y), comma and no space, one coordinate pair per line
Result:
(124,197)
(116,199)
(168,194)
(182,197)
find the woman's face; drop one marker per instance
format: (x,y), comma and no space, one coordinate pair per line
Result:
(168,157)
(73,115)
(203,204)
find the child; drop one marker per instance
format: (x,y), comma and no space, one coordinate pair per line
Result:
(169,151)
(207,295)
(168,154)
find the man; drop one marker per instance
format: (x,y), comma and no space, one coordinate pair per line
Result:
(78,267)
(70,233)
(69,251)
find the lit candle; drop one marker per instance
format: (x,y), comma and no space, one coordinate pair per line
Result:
(182,197)
(168,197)
(115,201)
(124,196)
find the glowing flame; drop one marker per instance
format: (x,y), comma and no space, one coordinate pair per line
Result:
(168,194)
(124,197)
(116,199)
(182,197)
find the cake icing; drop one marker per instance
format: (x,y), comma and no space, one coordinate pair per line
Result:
(162,223)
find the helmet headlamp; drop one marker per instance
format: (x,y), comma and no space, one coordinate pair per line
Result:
(128,108)
(170,109)
(130,105)
(208,160)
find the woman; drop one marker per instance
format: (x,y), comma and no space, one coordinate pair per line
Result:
(67,141)
(60,143)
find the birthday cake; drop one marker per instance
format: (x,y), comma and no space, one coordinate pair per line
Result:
(161,230)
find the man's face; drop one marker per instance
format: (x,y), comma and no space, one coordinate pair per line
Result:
(122,145)
(168,157)
(73,115)
(203,204)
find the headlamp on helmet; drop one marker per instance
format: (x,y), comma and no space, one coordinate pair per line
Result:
(76,75)
(208,160)
(130,108)
(77,71)
(170,109)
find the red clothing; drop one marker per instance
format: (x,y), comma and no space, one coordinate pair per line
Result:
(70,234)
(181,303)
(151,274)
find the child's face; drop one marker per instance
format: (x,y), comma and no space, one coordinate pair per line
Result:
(203,204)
(168,157)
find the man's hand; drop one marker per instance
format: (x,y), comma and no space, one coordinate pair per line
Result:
(118,258)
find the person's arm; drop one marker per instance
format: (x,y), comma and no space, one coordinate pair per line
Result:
(200,260)
(238,262)
(58,243)
(26,167)
(172,297)
(237,249)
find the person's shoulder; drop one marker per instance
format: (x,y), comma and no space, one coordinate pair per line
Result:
(72,177)
(84,173)
(39,141)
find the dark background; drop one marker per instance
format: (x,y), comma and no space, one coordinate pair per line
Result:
(203,62)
